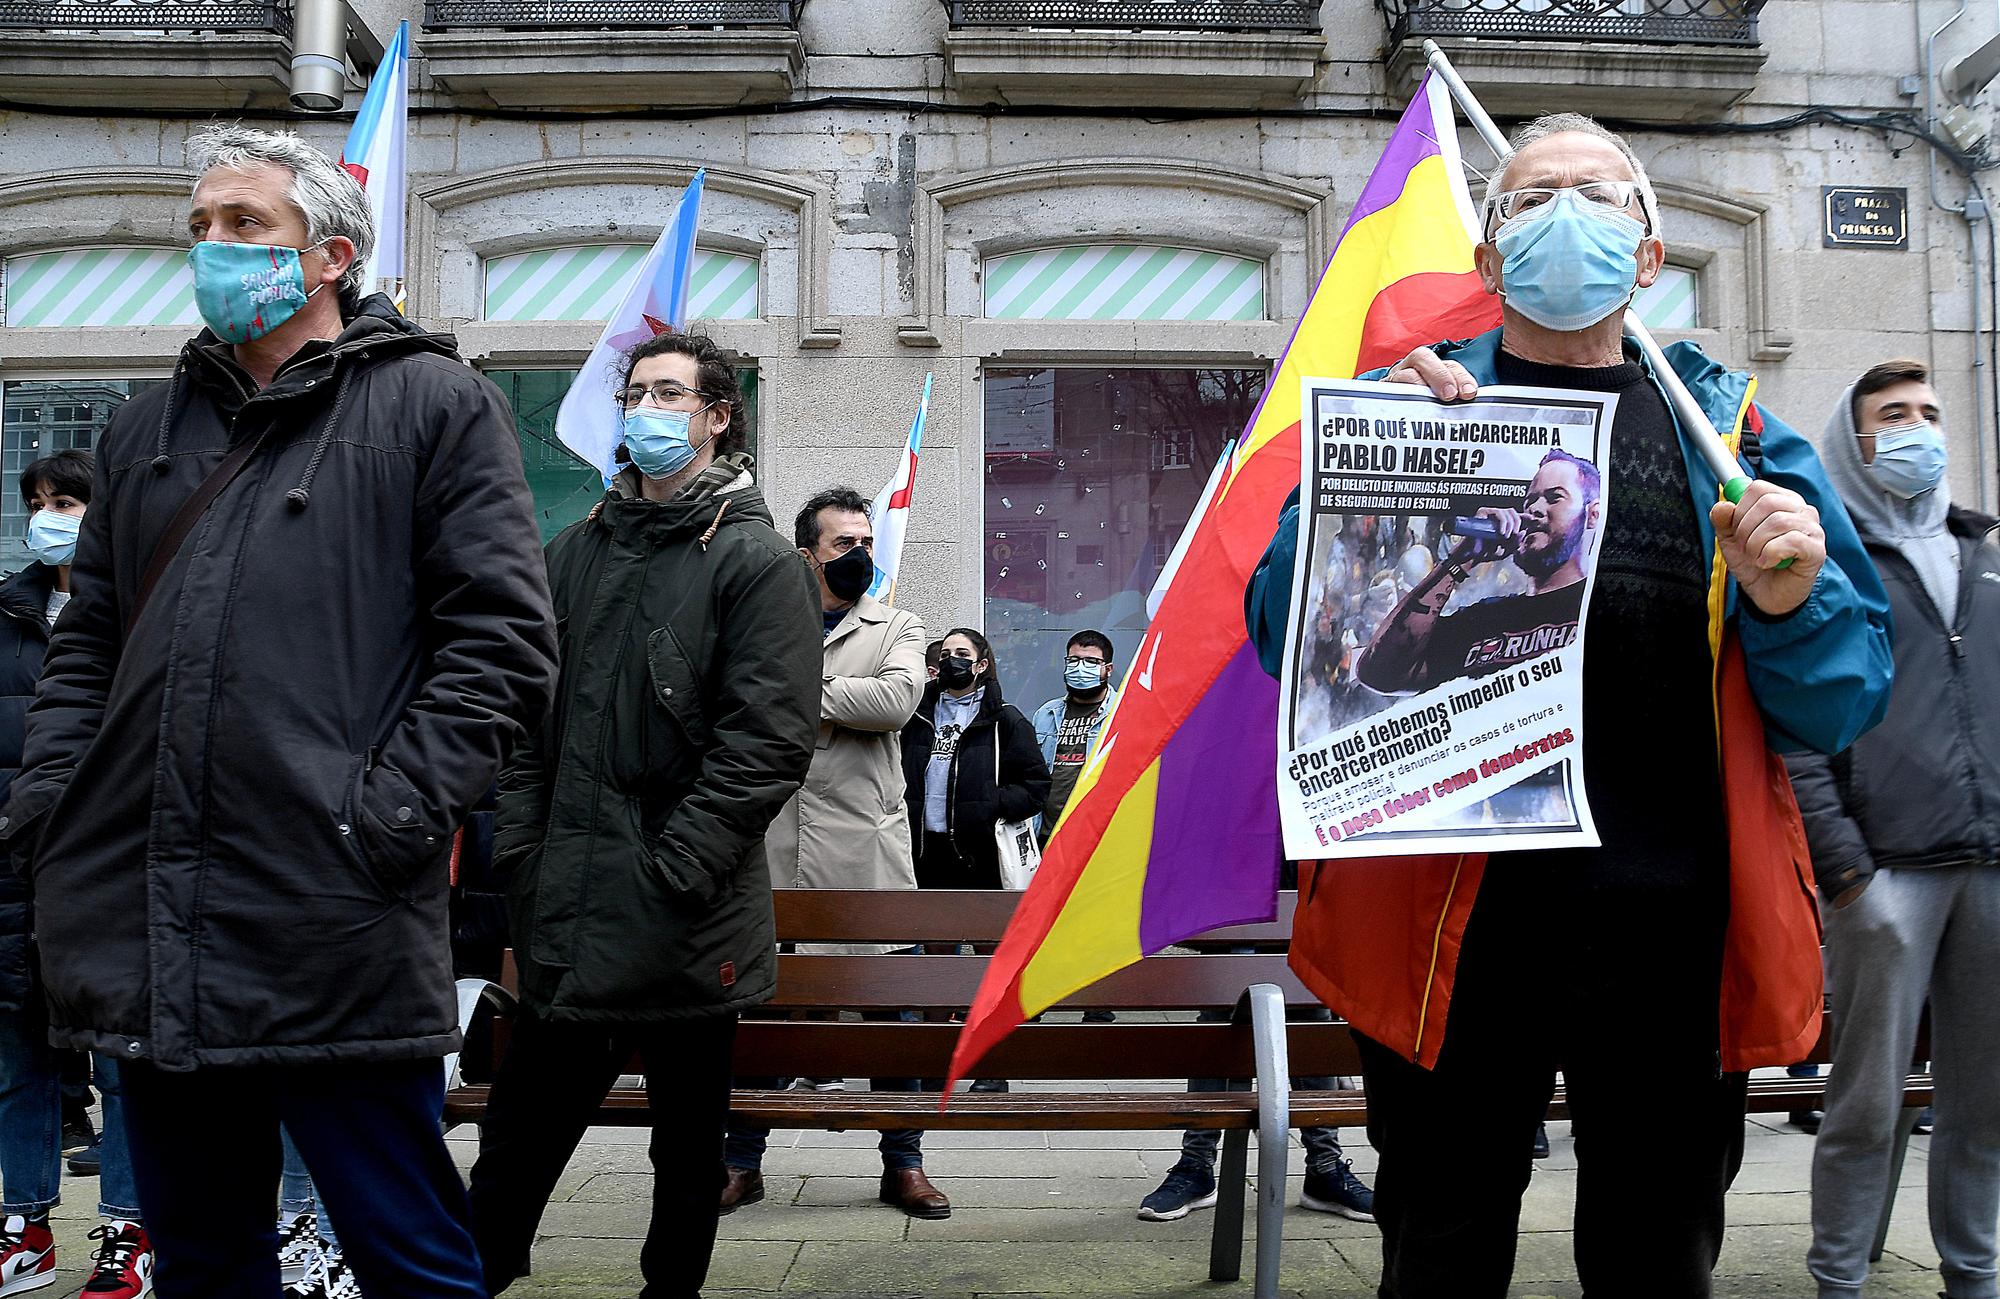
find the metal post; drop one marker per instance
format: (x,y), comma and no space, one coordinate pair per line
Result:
(1274,1129)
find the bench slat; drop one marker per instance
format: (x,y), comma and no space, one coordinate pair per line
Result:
(946,916)
(949,982)
(767,1048)
(1080,1111)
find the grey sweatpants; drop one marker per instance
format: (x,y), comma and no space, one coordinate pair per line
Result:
(1913,934)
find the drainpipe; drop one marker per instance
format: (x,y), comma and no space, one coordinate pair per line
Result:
(319,55)
(1975,214)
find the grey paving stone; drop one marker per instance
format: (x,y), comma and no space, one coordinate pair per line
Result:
(1045,1268)
(990,1192)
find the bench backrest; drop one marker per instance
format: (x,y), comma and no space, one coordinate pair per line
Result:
(938,983)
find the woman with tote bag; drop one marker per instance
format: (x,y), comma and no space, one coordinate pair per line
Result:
(972,771)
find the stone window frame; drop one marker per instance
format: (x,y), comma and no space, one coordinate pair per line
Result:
(126,210)
(1765,322)
(1075,214)
(530,344)
(1082,221)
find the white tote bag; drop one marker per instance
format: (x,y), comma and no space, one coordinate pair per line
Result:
(1020,847)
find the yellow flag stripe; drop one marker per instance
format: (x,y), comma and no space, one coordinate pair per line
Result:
(1098,930)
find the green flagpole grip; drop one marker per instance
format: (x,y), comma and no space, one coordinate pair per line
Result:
(1732,491)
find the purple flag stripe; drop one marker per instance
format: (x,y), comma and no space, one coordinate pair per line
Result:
(1216,848)
(1410,145)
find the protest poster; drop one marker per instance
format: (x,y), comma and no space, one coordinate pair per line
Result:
(1431,699)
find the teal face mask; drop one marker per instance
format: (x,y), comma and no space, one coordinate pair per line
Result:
(244,291)
(1569,263)
(657,440)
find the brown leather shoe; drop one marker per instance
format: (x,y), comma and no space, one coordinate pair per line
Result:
(745,1186)
(909,1190)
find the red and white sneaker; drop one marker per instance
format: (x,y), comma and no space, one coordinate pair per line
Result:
(123,1268)
(27,1255)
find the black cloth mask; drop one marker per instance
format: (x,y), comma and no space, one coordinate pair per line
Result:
(849,577)
(954,673)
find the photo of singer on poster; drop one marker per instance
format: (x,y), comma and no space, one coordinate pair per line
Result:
(1433,679)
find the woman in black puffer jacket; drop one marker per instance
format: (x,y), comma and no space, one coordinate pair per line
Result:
(955,789)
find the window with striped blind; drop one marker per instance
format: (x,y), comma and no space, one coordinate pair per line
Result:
(586,282)
(1672,302)
(71,287)
(1123,282)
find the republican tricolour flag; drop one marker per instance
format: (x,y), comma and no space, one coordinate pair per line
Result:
(891,510)
(1173,827)
(589,422)
(373,155)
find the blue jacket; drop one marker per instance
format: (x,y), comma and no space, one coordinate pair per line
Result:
(1048,723)
(1820,674)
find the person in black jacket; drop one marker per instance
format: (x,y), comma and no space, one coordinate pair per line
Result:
(250,749)
(631,826)
(949,773)
(56,490)
(1904,828)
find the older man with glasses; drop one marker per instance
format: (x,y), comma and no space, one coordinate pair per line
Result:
(1683,951)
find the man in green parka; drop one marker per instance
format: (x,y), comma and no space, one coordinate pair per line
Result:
(632,826)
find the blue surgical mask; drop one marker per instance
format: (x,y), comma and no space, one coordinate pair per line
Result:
(244,291)
(52,536)
(1083,676)
(1909,459)
(657,440)
(1569,263)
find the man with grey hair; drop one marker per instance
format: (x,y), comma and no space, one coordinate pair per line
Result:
(1684,950)
(309,616)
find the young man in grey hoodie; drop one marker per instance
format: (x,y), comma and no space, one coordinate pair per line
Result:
(1905,835)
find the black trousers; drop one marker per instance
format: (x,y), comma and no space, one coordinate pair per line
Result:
(547,1092)
(1624,1004)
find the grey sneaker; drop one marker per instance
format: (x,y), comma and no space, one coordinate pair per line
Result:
(1187,1187)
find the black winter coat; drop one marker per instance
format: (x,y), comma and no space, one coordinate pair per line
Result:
(1923,788)
(24,639)
(631,827)
(976,803)
(238,812)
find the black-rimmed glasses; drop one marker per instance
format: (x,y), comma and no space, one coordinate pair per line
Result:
(665,392)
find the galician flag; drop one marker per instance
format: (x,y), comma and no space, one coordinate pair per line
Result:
(373,155)
(891,511)
(589,422)
(1173,826)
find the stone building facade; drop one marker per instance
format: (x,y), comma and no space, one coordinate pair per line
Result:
(1094,221)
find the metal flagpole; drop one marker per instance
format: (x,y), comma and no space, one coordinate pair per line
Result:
(1713,449)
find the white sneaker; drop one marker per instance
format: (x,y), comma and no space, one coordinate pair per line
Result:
(298,1245)
(27,1256)
(327,1277)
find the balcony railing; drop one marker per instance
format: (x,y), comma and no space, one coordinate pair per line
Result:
(1661,22)
(538,15)
(147,16)
(1141,15)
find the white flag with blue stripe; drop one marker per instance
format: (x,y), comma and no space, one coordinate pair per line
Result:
(891,510)
(589,422)
(373,155)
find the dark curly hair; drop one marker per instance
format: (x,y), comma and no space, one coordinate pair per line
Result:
(713,372)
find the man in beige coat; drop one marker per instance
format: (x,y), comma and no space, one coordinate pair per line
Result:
(848,828)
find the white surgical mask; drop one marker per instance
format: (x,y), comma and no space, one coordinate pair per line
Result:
(52,536)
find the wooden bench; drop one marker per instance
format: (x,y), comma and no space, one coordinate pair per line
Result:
(1256,988)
